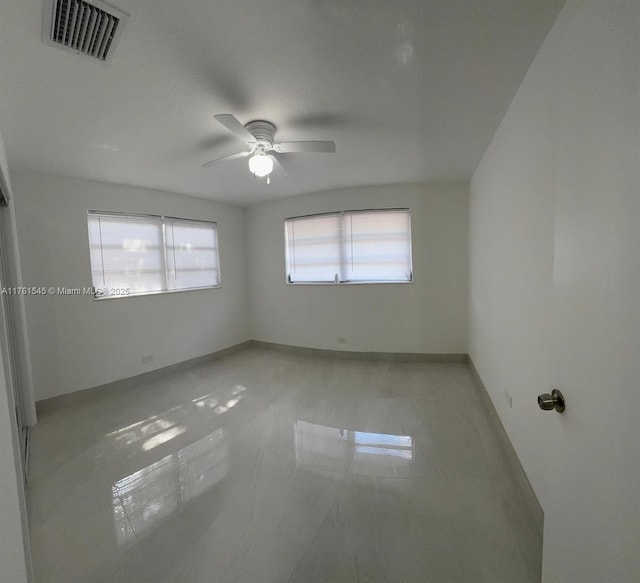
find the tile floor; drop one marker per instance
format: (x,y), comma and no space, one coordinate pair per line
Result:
(268,467)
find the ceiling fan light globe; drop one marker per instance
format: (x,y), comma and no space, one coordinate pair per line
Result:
(260,165)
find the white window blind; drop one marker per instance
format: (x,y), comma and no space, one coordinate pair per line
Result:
(192,254)
(142,254)
(126,253)
(372,246)
(377,246)
(314,248)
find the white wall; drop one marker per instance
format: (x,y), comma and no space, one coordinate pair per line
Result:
(15,561)
(554,289)
(511,238)
(428,316)
(77,342)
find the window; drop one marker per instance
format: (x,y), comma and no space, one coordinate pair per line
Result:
(144,254)
(372,246)
(192,254)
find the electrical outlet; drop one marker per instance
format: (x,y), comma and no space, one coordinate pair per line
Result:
(342,340)
(508,398)
(147,358)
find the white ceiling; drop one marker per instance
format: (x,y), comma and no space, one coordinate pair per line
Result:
(410,90)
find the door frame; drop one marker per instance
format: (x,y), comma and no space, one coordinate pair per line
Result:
(15,548)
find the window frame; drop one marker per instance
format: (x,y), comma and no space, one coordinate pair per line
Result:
(163,220)
(342,213)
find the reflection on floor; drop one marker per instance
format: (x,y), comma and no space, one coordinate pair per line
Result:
(267,467)
(148,495)
(321,448)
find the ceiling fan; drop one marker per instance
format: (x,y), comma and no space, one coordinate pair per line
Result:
(258,135)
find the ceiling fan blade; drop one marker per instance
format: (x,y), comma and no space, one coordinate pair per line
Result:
(311,146)
(278,163)
(235,127)
(226,158)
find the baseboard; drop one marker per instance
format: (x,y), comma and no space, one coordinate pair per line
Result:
(355,355)
(82,395)
(533,505)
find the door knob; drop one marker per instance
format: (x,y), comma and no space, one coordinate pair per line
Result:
(555,400)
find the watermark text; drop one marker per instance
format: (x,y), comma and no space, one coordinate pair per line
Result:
(65,291)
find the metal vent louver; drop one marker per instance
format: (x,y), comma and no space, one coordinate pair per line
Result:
(86,27)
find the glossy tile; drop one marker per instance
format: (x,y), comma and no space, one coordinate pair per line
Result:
(266,466)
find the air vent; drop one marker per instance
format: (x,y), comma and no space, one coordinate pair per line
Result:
(89,28)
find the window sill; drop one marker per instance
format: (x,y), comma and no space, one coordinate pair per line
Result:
(154,293)
(347,283)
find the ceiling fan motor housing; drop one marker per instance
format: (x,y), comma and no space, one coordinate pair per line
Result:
(262,131)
